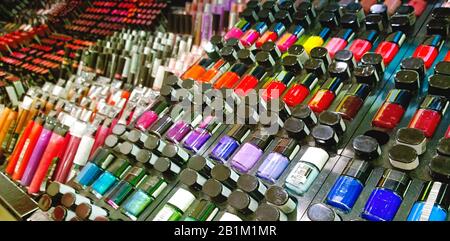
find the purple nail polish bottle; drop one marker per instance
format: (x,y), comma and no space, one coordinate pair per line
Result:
(180,129)
(277,161)
(150,116)
(226,146)
(198,137)
(249,153)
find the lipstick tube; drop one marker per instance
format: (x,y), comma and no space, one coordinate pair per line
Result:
(290,37)
(325,95)
(340,41)
(250,81)
(363,44)
(429,49)
(353,101)
(250,37)
(299,91)
(390,46)
(392,110)
(429,114)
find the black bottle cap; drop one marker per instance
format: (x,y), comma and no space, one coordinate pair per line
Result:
(165,166)
(225,175)
(334,120)
(366,147)
(443,68)
(381,136)
(443,147)
(440,13)
(126,148)
(376,60)
(410,136)
(249,15)
(175,153)
(322,54)
(217,41)
(439,85)
(260,140)
(266,212)
(355,8)
(360,90)
(396,181)
(271,5)
(214,189)
(246,56)
(381,10)
(334,8)
(440,168)
(328,20)
(152,142)
(350,21)
(302,18)
(111,141)
(400,97)
(438,26)
(407,79)
(265,59)
(242,202)
(296,128)
(374,22)
(167,91)
(272,49)
(358,169)
(277,196)
(306,7)
(287,6)
(283,17)
(296,50)
(339,70)
(437,192)
(315,66)
(286,146)
(258,72)
(366,74)
(345,55)
(172,80)
(416,64)
(251,184)
(254,5)
(324,136)
(304,113)
(321,212)
(201,165)
(403,157)
(239,132)
(239,69)
(235,44)
(400,23)
(228,54)
(191,178)
(292,64)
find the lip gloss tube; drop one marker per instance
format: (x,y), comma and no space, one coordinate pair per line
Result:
(429,49)
(340,41)
(22,121)
(7,125)
(250,81)
(290,37)
(326,94)
(56,146)
(392,110)
(38,151)
(353,101)
(230,78)
(390,46)
(100,136)
(238,30)
(276,88)
(363,44)
(429,114)
(149,117)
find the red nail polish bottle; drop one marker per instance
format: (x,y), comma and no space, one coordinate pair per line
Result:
(340,41)
(363,44)
(230,78)
(353,101)
(250,81)
(276,88)
(429,114)
(298,92)
(447,133)
(390,46)
(392,110)
(326,94)
(418,5)
(429,49)
(447,57)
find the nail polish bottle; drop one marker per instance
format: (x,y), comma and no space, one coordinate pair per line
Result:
(363,44)
(334,120)
(181,128)
(197,69)
(249,153)
(407,80)
(340,41)
(296,129)
(411,137)
(429,49)
(340,69)
(278,197)
(151,116)
(390,46)
(429,114)
(195,140)
(277,161)
(298,92)
(392,110)
(290,37)
(326,94)
(415,64)
(348,186)
(432,204)
(274,32)
(353,101)
(267,212)
(230,78)
(304,113)
(276,88)
(203,211)
(250,37)
(124,187)
(242,202)
(321,53)
(252,185)
(147,191)
(302,176)
(439,168)
(95,167)
(176,206)
(403,157)
(320,212)
(376,61)
(110,177)
(215,190)
(238,30)
(228,144)
(250,81)
(317,41)
(386,198)
(438,85)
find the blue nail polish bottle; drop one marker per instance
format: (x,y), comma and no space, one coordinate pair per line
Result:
(110,177)
(95,167)
(386,198)
(432,204)
(228,144)
(349,185)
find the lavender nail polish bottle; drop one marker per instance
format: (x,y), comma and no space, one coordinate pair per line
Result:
(228,144)
(198,137)
(181,128)
(277,161)
(249,154)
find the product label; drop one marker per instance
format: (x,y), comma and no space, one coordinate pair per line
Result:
(164,214)
(429,203)
(299,174)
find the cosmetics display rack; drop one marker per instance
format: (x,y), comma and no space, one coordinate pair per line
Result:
(332,67)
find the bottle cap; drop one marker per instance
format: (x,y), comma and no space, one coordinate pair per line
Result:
(360,90)
(340,70)
(345,55)
(272,49)
(201,165)
(228,54)
(175,153)
(266,212)
(302,18)
(296,128)
(277,196)
(374,22)
(304,113)
(306,7)
(436,193)
(271,5)
(249,15)
(350,21)
(376,60)
(443,147)
(260,140)
(287,6)
(291,63)
(438,27)
(322,54)
(165,166)
(235,44)
(439,85)
(217,41)
(407,79)
(246,56)
(403,157)
(182,199)
(265,16)
(366,147)
(325,136)
(380,9)
(316,156)
(264,59)
(396,181)
(286,147)
(192,179)
(442,68)
(239,132)
(321,212)
(328,20)
(334,8)
(416,64)
(334,120)
(224,175)
(400,23)
(215,190)
(358,169)
(412,137)
(400,97)
(252,185)
(440,168)
(242,202)
(315,66)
